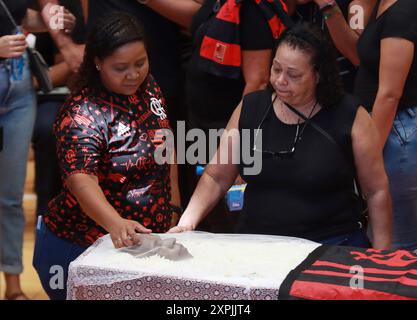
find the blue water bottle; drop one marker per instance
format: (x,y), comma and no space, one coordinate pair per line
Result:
(17,65)
(234,197)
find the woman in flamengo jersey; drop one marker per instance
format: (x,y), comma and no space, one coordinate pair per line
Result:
(315,140)
(107,132)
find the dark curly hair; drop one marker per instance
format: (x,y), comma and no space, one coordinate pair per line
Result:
(313,41)
(108,34)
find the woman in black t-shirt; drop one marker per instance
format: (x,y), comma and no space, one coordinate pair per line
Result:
(387,84)
(215,79)
(300,182)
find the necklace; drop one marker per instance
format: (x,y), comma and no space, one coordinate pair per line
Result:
(306,121)
(286,116)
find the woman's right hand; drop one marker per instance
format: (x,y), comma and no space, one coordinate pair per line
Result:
(12,46)
(185,224)
(124,233)
(179,228)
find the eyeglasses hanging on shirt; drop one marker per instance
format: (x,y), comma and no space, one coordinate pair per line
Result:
(283,154)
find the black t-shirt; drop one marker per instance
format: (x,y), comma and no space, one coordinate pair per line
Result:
(162,38)
(309,195)
(18,10)
(211,99)
(398,21)
(311,13)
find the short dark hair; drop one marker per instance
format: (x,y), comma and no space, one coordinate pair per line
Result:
(312,40)
(108,34)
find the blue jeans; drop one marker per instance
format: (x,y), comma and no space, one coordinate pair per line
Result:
(51,259)
(400,156)
(17,116)
(47,173)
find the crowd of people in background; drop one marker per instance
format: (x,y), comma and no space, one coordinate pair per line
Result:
(332,85)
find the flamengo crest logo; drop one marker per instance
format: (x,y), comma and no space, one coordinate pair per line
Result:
(157,108)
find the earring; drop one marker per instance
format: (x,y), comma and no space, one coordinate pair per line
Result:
(98,67)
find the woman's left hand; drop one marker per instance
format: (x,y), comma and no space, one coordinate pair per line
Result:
(179,229)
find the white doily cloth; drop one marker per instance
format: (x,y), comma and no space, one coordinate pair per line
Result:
(224,266)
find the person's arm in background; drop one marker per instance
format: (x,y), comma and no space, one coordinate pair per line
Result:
(256,42)
(33,21)
(372,178)
(343,36)
(84,9)
(256,65)
(394,65)
(179,11)
(217,178)
(73,53)
(59,74)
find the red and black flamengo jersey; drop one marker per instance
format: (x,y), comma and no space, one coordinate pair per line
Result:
(220,50)
(112,137)
(349,273)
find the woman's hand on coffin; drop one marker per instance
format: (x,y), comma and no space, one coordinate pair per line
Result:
(186,223)
(180,228)
(124,233)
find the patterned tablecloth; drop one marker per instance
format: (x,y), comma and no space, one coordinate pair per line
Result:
(98,275)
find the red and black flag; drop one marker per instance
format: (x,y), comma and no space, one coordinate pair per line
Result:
(348,273)
(220,51)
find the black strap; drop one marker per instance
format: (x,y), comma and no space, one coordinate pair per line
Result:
(319,129)
(332,140)
(9,15)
